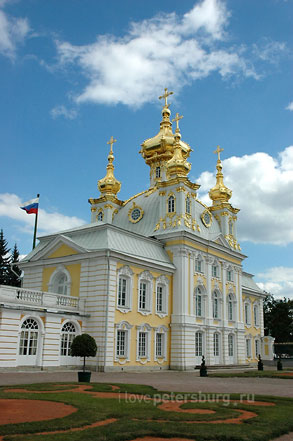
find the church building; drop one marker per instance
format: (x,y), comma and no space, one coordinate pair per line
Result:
(157,279)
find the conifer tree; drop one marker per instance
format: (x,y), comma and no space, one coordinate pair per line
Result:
(13,279)
(4,260)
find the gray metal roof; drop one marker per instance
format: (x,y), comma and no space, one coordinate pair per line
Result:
(249,283)
(95,237)
(146,226)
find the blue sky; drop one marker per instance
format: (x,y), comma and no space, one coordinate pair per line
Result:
(75,72)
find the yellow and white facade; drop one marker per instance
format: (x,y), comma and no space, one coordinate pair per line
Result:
(157,280)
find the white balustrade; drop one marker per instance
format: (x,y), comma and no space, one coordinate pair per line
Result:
(11,294)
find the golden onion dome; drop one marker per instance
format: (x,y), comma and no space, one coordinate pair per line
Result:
(109,185)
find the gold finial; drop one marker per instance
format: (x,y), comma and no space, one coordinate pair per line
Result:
(165,96)
(109,185)
(177,119)
(218,151)
(219,193)
(111,142)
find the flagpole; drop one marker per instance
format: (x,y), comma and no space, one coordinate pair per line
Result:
(36,223)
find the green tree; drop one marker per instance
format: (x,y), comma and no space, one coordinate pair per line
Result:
(278,319)
(14,280)
(83,345)
(4,260)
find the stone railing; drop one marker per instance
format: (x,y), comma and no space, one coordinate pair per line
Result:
(21,296)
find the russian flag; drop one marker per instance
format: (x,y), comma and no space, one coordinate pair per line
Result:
(31,206)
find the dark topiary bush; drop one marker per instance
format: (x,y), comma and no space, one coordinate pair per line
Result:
(83,345)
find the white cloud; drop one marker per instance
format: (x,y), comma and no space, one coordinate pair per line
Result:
(13,31)
(262,188)
(277,281)
(63,111)
(134,68)
(290,106)
(47,222)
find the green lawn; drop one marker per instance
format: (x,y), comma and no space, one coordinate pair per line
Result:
(255,373)
(137,416)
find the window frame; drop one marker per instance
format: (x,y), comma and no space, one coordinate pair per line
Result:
(216,344)
(231,343)
(247,313)
(248,347)
(66,338)
(126,327)
(163,331)
(256,313)
(216,305)
(145,329)
(54,281)
(124,273)
(145,278)
(162,282)
(171,204)
(199,344)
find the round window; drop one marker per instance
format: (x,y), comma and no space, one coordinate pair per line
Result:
(135,214)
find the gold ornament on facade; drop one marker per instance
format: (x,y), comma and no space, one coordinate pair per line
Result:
(109,185)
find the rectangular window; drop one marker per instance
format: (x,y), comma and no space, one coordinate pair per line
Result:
(248,348)
(247,313)
(214,271)
(229,276)
(142,295)
(159,299)
(198,344)
(230,345)
(198,266)
(198,305)
(159,345)
(215,308)
(121,344)
(142,337)
(257,352)
(255,313)
(230,310)
(216,345)
(122,291)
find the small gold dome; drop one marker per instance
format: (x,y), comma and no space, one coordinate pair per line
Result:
(220,193)
(109,185)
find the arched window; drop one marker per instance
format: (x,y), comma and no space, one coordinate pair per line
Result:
(230,305)
(29,337)
(198,302)
(158,172)
(187,205)
(68,333)
(171,204)
(60,281)
(100,216)
(216,305)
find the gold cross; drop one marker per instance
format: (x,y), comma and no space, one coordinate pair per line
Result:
(177,119)
(165,96)
(218,151)
(111,142)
